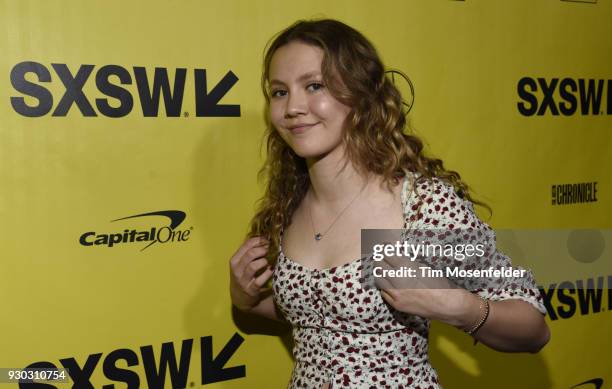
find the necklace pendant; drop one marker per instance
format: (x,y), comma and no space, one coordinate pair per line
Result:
(318,236)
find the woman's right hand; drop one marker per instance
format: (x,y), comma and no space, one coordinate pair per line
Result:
(246,276)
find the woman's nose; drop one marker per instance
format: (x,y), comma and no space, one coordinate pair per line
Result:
(296,105)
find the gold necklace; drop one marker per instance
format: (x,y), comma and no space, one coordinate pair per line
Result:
(319,235)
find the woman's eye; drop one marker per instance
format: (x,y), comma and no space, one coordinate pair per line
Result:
(315,86)
(278,93)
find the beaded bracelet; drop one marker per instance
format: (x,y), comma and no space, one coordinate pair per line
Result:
(484,304)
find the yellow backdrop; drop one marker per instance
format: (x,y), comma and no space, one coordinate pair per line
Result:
(83,290)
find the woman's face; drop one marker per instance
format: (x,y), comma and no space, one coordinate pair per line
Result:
(302,110)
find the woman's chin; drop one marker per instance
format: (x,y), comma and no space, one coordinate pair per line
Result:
(311,153)
(305,154)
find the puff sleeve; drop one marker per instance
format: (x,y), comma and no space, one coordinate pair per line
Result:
(435,205)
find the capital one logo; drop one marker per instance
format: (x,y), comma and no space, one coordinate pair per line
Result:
(595,383)
(29,78)
(154,234)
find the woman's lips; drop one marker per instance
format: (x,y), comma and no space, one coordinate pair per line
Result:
(301,129)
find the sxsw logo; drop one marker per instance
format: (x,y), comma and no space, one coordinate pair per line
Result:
(583,297)
(171,362)
(29,78)
(566,96)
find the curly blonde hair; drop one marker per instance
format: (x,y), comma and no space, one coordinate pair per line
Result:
(375,138)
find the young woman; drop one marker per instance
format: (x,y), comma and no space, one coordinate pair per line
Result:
(339,161)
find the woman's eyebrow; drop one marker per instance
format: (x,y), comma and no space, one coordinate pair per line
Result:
(303,77)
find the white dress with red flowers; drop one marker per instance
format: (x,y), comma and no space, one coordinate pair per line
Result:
(347,335)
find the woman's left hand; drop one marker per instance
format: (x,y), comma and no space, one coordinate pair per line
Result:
(431,298)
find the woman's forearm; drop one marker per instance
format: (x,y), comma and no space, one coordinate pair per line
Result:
(513,325)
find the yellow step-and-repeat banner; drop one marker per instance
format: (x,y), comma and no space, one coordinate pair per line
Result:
(130,138)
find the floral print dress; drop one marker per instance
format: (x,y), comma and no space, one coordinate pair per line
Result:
(347,335)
